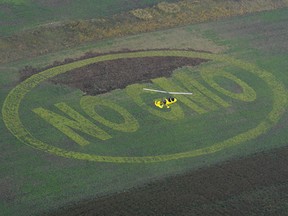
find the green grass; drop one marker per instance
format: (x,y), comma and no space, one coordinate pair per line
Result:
(118,144)
(39,181)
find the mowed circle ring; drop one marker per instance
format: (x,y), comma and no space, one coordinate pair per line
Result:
(10,109)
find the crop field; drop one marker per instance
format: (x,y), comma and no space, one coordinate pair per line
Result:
(20,14)
(80,136)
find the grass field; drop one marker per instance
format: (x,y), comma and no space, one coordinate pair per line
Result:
(24,14)
(240,108)
(33,36)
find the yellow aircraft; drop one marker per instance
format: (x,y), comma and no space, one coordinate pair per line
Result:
(167,101)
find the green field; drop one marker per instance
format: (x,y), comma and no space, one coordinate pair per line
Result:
(18,15)
(245,110)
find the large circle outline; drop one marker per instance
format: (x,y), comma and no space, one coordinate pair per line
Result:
(11,118)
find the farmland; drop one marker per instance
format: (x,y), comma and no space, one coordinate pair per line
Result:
(78,133)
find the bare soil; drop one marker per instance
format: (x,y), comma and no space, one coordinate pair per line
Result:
(117,74)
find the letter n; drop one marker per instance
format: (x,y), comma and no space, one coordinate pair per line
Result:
(66,125)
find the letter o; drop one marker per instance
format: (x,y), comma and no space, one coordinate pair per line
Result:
(247,95)
(88,104)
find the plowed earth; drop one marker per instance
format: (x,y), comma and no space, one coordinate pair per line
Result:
(117,74)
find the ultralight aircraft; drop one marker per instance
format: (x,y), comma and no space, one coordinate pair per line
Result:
(166,101)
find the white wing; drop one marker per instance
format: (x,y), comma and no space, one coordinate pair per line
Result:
(154,90)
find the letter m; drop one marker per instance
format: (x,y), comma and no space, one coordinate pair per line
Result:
(66,125)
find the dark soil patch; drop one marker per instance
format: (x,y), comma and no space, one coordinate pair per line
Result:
(232,188)
(105,76)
